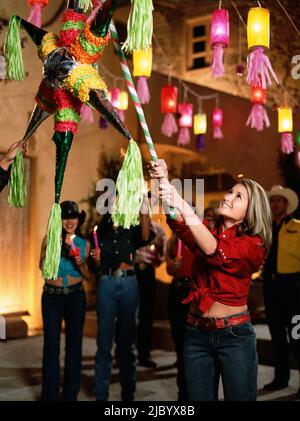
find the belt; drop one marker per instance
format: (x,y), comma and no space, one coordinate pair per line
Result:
(211,323)
(63,290)
(119,273)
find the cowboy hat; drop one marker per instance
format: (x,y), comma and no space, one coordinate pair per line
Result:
(69,209)
(288,194)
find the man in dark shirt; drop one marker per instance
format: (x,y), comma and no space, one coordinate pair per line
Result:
(6,162)
(282,283)
(118,295)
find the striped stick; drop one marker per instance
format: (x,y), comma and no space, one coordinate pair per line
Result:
(135,98)
(132,90)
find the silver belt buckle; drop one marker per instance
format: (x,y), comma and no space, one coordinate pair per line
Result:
(118,273)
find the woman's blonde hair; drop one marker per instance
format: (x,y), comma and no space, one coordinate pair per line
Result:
(258,220)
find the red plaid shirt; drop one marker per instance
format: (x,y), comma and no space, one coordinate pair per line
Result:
(225,276)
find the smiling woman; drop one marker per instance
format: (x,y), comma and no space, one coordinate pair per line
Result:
(64,299)
(226,253)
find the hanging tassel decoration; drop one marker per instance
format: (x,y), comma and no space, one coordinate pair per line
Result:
(129,187)
(85,5)
(287,143)
(217,133)
(200,142)
(86,114)
(259,66)
(143,90)
(184,136)
(217,67)
(17,191)
(139,26)
(169,126)
(53,249)
(258,118)
(35,16)
(13,50)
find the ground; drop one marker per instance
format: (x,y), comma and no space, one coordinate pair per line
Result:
(20,374)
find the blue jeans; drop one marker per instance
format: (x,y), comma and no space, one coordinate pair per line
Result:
(232,351)
(55,308)
(116,296)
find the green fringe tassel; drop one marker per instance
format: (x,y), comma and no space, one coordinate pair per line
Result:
(53,249)
(139,26)
(13,50)
(85,5)
(130,186)
(17,184)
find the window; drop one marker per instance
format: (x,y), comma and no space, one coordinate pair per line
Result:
(198,46)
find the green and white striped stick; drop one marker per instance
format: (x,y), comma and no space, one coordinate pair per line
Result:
(134,96)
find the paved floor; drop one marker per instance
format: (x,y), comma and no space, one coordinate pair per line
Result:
(20,374)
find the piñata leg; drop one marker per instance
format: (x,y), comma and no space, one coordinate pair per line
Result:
(67,119)
(99,101)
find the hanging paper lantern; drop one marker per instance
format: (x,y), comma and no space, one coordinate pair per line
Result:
(200,123)
(142,62)
(35,16)
(142,66)
(169,96)
(219,39)
(185,121)
(258,32)
(115,92)
(285,126)
(123,101)
(217,119)
(258,95)
(258,116)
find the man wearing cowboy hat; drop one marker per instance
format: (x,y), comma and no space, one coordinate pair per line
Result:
(282,282)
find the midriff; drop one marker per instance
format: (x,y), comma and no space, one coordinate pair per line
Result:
(59,281)
(217,310)
(125,266)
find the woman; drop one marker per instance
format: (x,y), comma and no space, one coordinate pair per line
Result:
(64,299)
(219,335)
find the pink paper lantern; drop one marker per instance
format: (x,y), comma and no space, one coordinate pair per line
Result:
(219,39)
(219,33)
(186,115)
(217,117)
(217,120)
